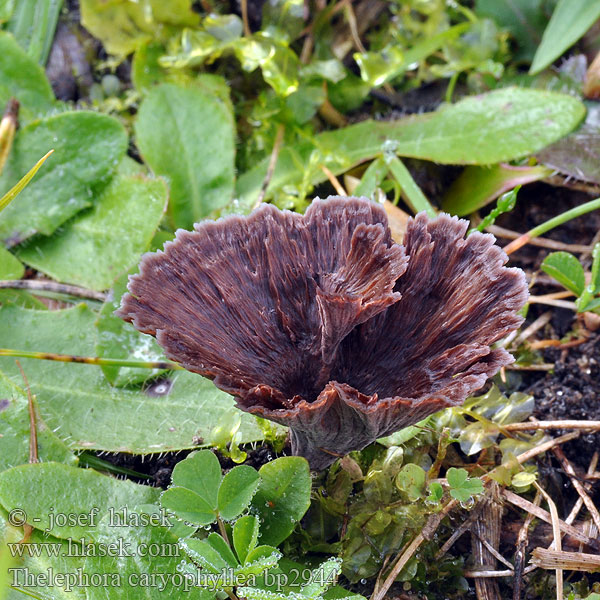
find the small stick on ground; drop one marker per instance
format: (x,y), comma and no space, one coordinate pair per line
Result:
(557,537)
(501,232)
(570,471)
(588,486)
(544,515)
(40,285)
(339,188)
(540,322)
(520,554)
(567,424)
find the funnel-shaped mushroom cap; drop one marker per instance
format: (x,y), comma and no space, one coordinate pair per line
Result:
(323,323)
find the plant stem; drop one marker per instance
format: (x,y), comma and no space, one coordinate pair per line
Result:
(551,224)
(222,530)
(91,360)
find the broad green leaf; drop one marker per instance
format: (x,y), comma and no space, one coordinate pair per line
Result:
(476,187)
(378,487)
(123,25)
(77,402)
(570,20)
(15,429)
(10,266)
(411,481)
(245,536)
(90,496)
(147,567)
(283,497)
(221,546)
(236,491)
(22,78)
(194,489)
(187,135)
(99,245)
(578,154)
(145,70)
(118,339)
(517,122)
(87,148)
(566,269)
(30,561)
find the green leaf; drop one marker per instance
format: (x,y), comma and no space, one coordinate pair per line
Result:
(195,485)
(516,122)
(477,436)
(505,204)
(462,488)
(436,492)
(283,19)
(122,25)
(147,567)
(476,187)
(87,147)
(523,479)
(566,269)
(187,506)
(99,245)
(10,266)
(570,20)
(222,547)
(75,400)
(245,536)
(205,556)
(578,154)
(412,193)
(411,481)
(7,198)
(22,78)
(33,24)
(283,497)
(15,428)
(118,339)
(236,491)
(90,493)
(187,135)
(323,577)
(258,561)
(36,566)
(525,20)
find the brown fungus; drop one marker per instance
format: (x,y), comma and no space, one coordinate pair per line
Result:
(323,323)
